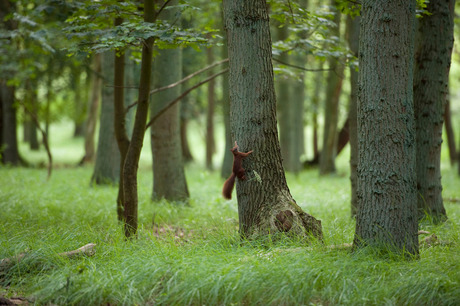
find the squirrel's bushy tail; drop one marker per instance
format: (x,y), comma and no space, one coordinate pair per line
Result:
(228,187)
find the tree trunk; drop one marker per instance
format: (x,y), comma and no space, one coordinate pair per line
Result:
(123,141)
(331,110)
(168,166)
(32,106)
(450,133)
(10,152)
(315,105)
(91,116)
(135,146)
(226,169)
(265,205)
(432,65)
(387,199)
(107,166)
(210,143)
(79,105)
(353,43)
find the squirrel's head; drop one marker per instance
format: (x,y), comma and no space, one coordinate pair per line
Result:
(235,149)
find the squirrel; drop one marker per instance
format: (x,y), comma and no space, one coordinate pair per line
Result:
(238,171)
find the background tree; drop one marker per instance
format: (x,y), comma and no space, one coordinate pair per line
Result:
(353,24)
(431,88)
(387,199)
(94,80)
(107,166)
(331,110)
(168,167)
(265,204)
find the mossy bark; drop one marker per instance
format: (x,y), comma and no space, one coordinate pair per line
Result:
(433,56)
(265,204)
(387,199)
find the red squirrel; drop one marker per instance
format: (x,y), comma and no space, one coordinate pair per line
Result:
(238,171)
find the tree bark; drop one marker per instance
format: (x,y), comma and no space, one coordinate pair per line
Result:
(226,169)
(10,152)
(93,108)
(131,164)
(387,199)
(353,43)
(168,167)
(107,166)
(210,143)
(450,133)
(432,65)
(331,110)
(265,205)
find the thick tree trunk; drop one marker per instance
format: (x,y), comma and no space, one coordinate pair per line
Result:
(107,166)
(93,108)
(265,204)
(450,133)
(387,199)
(168,167)
(331,109)
(353,43)
(131,164)
(433,54)
(210,143)
(226,169)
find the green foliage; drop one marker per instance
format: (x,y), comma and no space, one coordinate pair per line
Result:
(193,254)
(91,28)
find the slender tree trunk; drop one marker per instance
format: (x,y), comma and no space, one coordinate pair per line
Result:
(93,108)
(315,105)
(210,143)
(121,135)
(107,166)
(32,106)
(168,167)
(265,204)
(331,110)
(10,152)
(431,86)
(79,108)
(134,150)
(450,133)
(353,43)
(387,201)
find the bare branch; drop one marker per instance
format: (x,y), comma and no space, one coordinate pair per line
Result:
(153,91)
(170,104)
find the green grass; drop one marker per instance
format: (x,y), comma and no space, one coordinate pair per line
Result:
(194,255)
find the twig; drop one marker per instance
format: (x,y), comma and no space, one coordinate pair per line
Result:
(170,104)
(299,67)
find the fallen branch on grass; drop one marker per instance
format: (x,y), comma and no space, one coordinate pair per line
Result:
(87,250)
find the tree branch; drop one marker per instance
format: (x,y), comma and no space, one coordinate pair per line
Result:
(153,91)
(170,104)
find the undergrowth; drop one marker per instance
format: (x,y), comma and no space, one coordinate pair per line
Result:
(192,254)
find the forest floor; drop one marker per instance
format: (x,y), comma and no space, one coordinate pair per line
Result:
(192,253)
